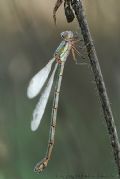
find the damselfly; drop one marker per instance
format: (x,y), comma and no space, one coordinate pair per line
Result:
(37,83)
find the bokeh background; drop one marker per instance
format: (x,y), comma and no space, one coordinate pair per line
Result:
(28,39)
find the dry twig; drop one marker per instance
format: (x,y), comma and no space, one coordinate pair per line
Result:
(77,5)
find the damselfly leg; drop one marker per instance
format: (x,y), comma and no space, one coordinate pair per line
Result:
(75,51)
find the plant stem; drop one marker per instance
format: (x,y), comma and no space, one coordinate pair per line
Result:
(77,5)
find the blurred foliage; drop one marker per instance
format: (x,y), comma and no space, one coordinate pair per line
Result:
(28,39)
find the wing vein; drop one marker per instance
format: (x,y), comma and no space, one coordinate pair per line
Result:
(39,80)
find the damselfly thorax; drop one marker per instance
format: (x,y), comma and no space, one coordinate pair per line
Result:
(36,85)
(62,52)
(67,45)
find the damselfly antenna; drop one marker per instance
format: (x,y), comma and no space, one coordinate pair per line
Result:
(38,81)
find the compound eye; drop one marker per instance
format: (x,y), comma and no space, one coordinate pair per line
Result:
(62,35)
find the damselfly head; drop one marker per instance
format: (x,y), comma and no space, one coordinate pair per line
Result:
(67,35)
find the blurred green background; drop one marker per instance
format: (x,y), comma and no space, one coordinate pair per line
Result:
(28,39)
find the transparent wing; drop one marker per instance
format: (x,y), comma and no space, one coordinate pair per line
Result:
(40,107)
(38,80)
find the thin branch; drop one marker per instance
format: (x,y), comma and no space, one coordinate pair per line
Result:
(77,5)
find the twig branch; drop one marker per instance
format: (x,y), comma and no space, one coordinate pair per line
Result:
(77,5)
